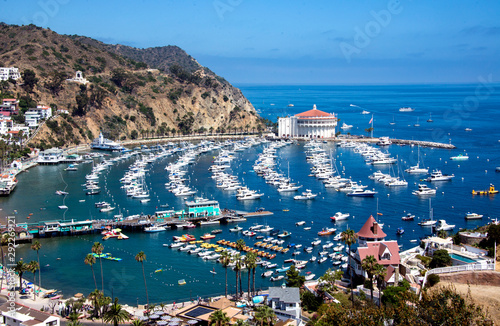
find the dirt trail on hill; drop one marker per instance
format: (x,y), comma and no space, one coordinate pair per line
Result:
(484,288)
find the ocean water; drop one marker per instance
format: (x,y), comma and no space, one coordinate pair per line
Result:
(453,108)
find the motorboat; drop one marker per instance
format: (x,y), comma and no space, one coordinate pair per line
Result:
(437,175)
(327,231)
(154,228)
(406,109)
(236,229)
(361,193)
(345,126)
(277,278)
(408,217)
(473,216)
(443,226)
(316,242)
(460,157)
(384,141)
(248,233)
(284,234)
(61,193)
(300,223)
(400,231)
(267,274)
(322,259)
(424,190)
(310,277)
(305,195)
(339,216)
(207,236)
(365,112)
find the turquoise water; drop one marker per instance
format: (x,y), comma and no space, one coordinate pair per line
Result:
(62,258)
(462,258)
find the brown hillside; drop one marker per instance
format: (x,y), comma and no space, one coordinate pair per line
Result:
(125,97)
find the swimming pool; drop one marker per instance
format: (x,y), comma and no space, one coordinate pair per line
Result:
(462,258)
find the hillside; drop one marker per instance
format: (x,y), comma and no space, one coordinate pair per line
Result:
(132,92)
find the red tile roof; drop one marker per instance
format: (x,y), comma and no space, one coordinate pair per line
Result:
(377,250)
(371,230)
(313,114)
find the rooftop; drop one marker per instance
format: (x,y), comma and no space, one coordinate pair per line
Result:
(285,294)
(371,230)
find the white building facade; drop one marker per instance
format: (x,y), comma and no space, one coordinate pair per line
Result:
(9,73)
(310,124)
(35,115)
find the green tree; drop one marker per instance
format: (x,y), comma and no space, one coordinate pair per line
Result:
(30,80)
(240,244)
(310,302)
(225,260)
(440,258)
(265,314)
(20,268)
(349,237)
(97,249)
(237,269)
(55,83)
(250,262)
(293,278)
(116,315)
(327,280)
(380,273)
(369,266)
(141,257)
(90,260)
(37,246)
(219,318)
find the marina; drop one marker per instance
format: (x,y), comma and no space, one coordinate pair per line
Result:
(277,212)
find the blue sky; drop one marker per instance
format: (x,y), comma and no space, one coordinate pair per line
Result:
(294,42)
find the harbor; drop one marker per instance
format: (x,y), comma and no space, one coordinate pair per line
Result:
(142,172)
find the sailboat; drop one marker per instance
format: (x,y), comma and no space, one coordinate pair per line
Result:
(379,214)
(417,124)
(393,122)
(430,118)
(429,221)
(416,168)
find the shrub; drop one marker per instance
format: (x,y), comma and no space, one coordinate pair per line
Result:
(433,279)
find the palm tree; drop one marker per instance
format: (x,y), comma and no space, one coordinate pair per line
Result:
(37,246)
(141,257)
(33,267)
(240,244)
(265,314)
(116,314)
(20,268)
(237,268)
(6,237)
(75,323)
(219,318)
(137,322)
(97,249)
(379,273)
(225,260)
(369,264)
(90,260)
(349,238)
(250,262)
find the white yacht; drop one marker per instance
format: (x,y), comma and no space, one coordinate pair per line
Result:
(339,216)
(305,195)
(154,228)
(406,109)
(443,226)
(424,190)
(437,175)
(345,126)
